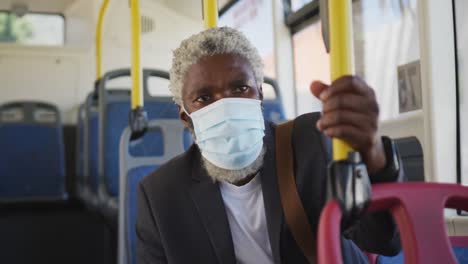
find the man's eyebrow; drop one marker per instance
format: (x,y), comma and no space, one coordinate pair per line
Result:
(199,90)
(241,81)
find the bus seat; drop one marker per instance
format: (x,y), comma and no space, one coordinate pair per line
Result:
(164,139)
(459,248)
(412,156)
(272,103)
(114,109)
(90,148)
(80,155)
(32,162)
(117,122)
(418,211)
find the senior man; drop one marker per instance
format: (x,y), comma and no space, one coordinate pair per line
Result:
(219,201)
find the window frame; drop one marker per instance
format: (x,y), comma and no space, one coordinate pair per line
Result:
(40,13)
(457,98)
(226,7)
(303,17)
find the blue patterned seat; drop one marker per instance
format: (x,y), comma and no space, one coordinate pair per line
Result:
(461,253)
(80,150)
(165,139)
(272,105)
(32,164)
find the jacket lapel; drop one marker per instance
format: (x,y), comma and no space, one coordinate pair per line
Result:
(209,203)
(273,209)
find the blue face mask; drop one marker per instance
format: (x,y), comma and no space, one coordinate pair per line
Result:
(229,132)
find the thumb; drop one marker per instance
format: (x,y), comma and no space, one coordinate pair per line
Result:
(317,87)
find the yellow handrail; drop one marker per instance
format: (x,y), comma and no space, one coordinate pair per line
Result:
(137,92)
(102,12)
(341,55)
(210,13)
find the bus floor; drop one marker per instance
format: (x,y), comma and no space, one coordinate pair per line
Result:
(55,233)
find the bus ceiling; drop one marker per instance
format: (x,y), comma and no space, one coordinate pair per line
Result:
(20,7)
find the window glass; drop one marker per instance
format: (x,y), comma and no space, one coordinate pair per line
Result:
(32,29)
(311,62)
(386,42)
(461,23)
(255,19)
(386,51)
(297,4)
(223,3)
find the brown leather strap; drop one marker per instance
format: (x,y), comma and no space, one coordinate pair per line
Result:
(294,212)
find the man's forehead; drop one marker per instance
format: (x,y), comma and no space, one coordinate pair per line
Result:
(225,66)
(228,60)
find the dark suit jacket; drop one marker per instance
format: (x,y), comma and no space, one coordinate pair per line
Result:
(181,216)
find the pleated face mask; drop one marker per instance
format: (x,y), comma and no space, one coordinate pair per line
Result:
(230,131)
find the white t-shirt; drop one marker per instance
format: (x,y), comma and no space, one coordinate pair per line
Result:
(246,215)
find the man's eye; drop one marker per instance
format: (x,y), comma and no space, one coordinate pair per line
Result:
(203,98)
(242,89)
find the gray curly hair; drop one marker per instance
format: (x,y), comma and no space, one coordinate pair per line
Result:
(222,40)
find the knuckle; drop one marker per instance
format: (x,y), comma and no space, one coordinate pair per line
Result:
(372,92)
(340,132)
(340,102)
(355,81)
(338,118)
(376,108)
(369,140)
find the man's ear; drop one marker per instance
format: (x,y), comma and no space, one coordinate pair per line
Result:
(185,118)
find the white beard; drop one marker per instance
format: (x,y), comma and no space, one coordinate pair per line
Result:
(219,174)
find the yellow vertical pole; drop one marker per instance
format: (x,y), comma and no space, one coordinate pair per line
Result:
(102,12)
(137,91)
(341,54)
(210,13)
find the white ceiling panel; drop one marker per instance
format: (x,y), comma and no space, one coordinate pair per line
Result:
(188,8)
(52,6)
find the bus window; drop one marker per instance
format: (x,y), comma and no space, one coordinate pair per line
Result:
(254,19)
(298,4)
(32,29)
(311,62)
(386,43)
(461,23)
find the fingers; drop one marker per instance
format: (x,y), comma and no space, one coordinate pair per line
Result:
(351,102)
(359,140)
(350,112)
(317,88)
(339,118)
(347,84)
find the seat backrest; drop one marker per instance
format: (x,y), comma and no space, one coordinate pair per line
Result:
(459,248)
(272,103)
(32,163)
(91,139)
(418,211)
(114,109)
(164,139)
(411,153)
(80,149)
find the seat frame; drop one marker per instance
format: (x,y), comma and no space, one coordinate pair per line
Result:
(418,209)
